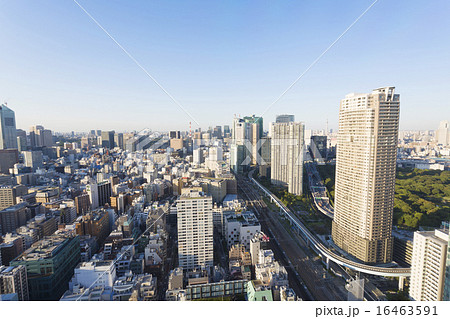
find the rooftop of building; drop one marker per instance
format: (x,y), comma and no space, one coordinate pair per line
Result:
(15,207)
(95,264)
(246,218)
(441,235)
(194,194)
(96,214)
(177,272)
(8,269)
(259,285)
(44,248)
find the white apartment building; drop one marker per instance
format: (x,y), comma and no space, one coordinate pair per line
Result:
(240,228)
(92,190)
(428,265)
(365,174)
(86,274)
(287,145)
(195,230)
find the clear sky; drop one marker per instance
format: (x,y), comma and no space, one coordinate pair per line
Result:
(218,58)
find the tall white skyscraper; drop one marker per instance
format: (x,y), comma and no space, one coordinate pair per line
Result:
(8,132)
(365,174)
(195,230)
(92,190)
(287,146)
(428,265)
(443,133)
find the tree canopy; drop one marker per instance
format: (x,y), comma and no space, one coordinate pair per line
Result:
(422,197)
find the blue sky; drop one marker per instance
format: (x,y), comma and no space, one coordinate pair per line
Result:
(218,58)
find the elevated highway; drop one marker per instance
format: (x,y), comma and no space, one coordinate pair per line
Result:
(318,191)
(320,248)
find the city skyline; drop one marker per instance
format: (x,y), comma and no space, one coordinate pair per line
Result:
(238,59)
(226,151)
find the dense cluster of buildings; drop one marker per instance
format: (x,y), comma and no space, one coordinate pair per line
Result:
(425,149)
(107,216)
(122,216)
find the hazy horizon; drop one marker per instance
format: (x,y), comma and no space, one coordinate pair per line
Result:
(62,71)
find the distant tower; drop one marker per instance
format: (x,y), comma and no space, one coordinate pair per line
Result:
(287,155)
(443,133)
(8,132)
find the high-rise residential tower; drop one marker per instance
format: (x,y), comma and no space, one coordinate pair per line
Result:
(428,265)
(287,145)
(8,132)
(365,174)
(195,230)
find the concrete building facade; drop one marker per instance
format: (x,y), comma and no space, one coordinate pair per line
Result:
(287,147)
(365,174)
(195,231)
(428,265)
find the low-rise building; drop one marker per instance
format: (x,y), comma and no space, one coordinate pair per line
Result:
(145,288)
(50,264)
(258,291)
(240,228)
(94,273)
